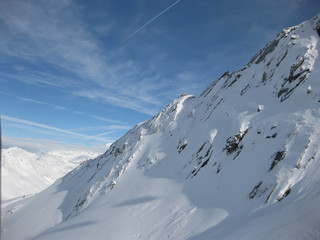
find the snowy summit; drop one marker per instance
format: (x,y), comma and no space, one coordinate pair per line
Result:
(239,161)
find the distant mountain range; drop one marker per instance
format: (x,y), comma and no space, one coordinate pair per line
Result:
(26,173)
(239,161)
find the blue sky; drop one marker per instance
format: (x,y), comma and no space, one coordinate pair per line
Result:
(80,74)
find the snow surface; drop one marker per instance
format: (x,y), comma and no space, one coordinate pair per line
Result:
(239,161)
(27,173)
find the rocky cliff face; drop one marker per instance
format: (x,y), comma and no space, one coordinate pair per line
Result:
(206,166)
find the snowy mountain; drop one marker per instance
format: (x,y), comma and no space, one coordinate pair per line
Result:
(26,173)
(19,176)
(239,161)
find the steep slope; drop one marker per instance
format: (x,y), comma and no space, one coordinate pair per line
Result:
(239,161)
(26,173)
(19,177)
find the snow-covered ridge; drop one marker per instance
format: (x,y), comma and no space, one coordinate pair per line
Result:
(239,161)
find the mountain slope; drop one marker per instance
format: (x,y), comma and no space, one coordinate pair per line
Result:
(242,159)
(19,177)
(26,173)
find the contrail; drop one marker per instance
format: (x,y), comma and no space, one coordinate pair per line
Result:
(147,23)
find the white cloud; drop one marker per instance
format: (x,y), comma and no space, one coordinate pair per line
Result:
(104,119)
(51,32)
(55,35)
(110,128)
(45,32)
(57,107)
(118,100)
(36,145)
(33,101)
(53,129)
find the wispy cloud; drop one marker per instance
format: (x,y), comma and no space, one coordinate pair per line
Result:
(104,134)
(62,108)
(54,129)
(43,37)
(123,101)
(104,119)
(35,145)
(57,107)
(110,129)
(48,27)
(35,79)
(44,32)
